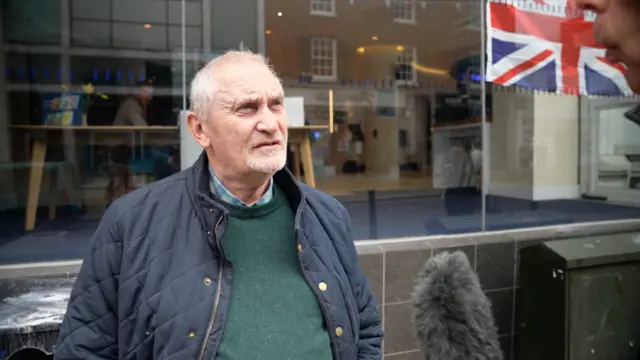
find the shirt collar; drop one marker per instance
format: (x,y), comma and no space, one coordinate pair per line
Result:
(225,195)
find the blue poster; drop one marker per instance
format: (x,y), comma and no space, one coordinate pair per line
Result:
(62,109)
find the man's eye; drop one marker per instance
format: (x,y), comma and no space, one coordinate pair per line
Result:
(246,107)
(276,103)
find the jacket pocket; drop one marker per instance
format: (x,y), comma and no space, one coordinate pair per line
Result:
(351,308)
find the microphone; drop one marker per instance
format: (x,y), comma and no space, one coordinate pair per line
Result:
(453,316)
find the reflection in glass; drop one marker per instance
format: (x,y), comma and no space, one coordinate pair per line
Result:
(32,22)
(617,148)
(404,148)
(85,123)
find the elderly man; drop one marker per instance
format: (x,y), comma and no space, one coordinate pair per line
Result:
(617,27)
(229,259)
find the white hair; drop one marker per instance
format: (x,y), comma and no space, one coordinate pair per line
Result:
(205,85)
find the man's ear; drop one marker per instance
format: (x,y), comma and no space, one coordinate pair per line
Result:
(197,130)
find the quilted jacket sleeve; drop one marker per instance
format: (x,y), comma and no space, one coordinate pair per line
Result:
(370,343)
(90,326)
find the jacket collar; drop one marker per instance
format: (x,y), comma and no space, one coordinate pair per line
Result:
(198,181)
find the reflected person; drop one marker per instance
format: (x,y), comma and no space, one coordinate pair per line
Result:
(132,112)
(231,258)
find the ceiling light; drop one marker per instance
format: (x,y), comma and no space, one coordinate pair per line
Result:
(400,48)
(374,38)
(268,32)
(279,13)
(360,50)
(147,26)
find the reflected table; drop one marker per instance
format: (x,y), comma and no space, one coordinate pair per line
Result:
(42,134)
(299,140)
(156,135)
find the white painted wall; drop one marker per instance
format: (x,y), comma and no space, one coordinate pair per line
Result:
(534,145)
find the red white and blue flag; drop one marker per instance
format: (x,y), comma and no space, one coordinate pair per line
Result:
(549,45)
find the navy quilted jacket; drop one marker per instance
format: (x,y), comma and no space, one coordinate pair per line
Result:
(156,285)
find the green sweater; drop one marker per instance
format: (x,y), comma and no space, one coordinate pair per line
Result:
(273,314)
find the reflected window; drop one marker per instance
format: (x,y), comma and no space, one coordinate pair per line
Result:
(31,21)
(233,23)
(384,141)
(323,7)
(405,71)
(324,59)
(405,11)
(141,25)
(618,154)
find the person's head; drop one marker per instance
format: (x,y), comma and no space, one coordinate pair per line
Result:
(617,27)
(237,115)
(145,92)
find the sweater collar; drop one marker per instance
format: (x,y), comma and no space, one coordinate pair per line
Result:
(220,191)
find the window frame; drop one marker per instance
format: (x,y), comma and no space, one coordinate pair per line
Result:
(405,4)
(316,12)
(414,72)
(334,61)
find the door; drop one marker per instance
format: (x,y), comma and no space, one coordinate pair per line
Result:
(610,150)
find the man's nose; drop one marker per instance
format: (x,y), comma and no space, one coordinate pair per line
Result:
(268,122)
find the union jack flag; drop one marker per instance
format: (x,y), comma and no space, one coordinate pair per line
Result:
(549,45)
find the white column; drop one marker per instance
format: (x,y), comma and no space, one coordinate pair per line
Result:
(556,148)
(510,150)
(534,145)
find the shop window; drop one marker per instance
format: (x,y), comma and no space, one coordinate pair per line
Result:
(405,11)
(324,59)
(323,7)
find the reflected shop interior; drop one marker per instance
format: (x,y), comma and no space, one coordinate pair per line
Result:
(387,95)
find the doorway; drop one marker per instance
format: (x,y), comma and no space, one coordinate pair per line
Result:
(610,150)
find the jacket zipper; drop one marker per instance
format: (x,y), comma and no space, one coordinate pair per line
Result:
(216,303)
(325,312)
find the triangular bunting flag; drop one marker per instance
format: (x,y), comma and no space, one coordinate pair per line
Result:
(351,2)
(387,3)
(423,4)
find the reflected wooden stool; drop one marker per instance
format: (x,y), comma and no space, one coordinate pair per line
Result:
(301,149)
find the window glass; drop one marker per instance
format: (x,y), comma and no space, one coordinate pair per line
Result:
(391,128)
(390,98)
(139,25)
(31,21)
(101,115)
